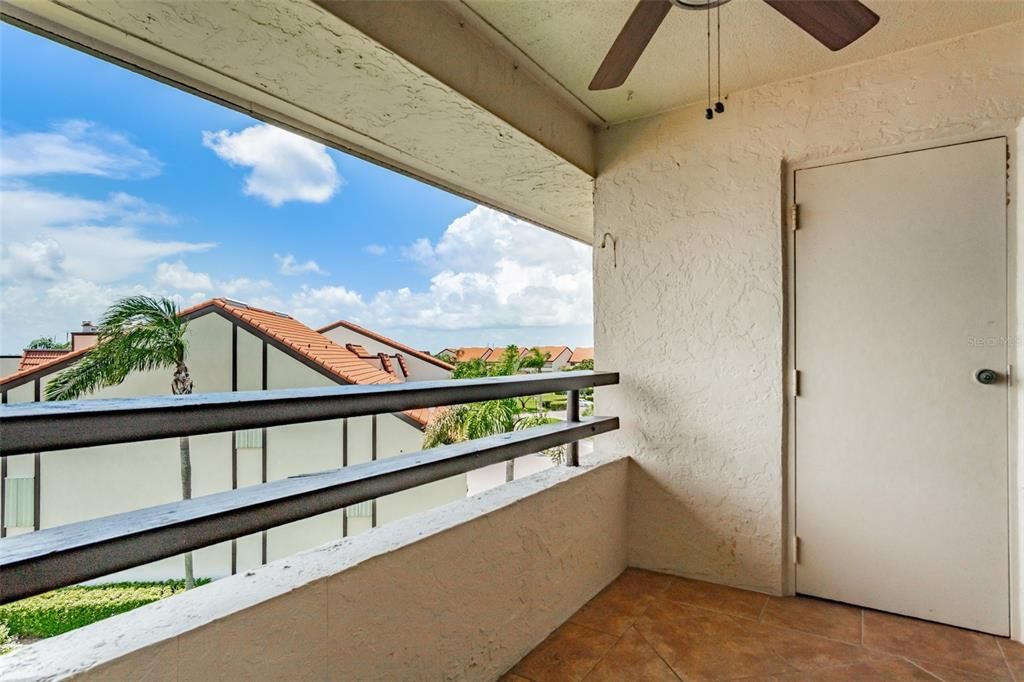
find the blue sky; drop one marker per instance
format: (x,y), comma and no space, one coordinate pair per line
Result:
(113,183)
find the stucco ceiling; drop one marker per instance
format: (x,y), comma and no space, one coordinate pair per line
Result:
(568,39)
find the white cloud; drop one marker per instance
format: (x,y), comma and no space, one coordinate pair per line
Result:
(75,147)
(65,258)
(490,271)
(375,249)
(40,259)
(288,265)
(285,167)
(178,276)
(48,235)
(319,305)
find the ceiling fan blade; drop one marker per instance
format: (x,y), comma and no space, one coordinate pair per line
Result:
(630,43)
(833,23)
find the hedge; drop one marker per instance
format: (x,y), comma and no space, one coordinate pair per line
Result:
(56,612)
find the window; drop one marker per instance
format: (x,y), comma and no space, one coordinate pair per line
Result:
(249,439)
(361,510)
(19,502)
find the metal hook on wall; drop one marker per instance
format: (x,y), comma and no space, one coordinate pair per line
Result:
(604,243)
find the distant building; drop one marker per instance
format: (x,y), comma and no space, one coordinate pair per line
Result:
(232,347)
(580,354)
(467,353)
(555,357)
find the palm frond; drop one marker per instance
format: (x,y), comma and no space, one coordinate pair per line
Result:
(136,334)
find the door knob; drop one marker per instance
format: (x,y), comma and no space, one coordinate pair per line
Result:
(986,376)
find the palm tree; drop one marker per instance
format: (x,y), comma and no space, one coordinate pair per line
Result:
(137,334)
(534,359)
(487,418)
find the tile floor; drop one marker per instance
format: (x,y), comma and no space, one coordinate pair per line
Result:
(650,626)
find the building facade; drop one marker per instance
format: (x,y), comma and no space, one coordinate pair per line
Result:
(232,347)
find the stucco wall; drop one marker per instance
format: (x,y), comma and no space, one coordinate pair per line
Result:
(458,593)
(693,315)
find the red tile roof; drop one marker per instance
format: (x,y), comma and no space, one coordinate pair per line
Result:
(469,353)
(65,356)
(359,350)
(498,353)
(550,352)
(332,358)
(33,357)
(402,363)
(426,357)
(581,354)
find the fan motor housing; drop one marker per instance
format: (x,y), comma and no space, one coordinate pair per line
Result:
(698,5)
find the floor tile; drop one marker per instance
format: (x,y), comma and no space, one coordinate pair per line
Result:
(614,609)
(892,670)
(819,617)
(569,653)
(947,674)
(941,644)
(804,651)
(632,658)
(647,626)
(717,597)
(1014,654)
(715,646)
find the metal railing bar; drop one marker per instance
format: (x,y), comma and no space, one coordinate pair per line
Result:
(55,557)
(46,426)
(572,414)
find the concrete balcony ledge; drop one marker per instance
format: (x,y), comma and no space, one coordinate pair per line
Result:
(460,592)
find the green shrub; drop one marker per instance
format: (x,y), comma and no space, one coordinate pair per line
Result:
(56,612)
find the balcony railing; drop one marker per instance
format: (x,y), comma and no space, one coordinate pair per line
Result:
(64,555)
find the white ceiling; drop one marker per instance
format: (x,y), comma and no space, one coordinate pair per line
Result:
(568,39)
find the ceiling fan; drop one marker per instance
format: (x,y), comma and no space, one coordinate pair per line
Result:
(833,23)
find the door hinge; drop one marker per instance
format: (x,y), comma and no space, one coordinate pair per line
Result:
(794,217)
(796,549)
(796,383)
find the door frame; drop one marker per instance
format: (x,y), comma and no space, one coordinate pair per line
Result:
(1015,323)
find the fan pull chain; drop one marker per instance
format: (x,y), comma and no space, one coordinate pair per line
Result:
(719,106)
(708,113)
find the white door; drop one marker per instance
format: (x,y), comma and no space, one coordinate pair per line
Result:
(900,284)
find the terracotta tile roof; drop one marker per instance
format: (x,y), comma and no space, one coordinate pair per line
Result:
(469,353)
(426,357)
(581,354)
(334,359)
(498,353)
(550,352)
(359,350)
(66,356)
(385,362)
(33,357)
(403,364)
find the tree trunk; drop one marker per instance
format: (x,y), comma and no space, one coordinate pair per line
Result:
(182,385)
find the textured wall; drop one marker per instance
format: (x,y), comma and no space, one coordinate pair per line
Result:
(693,315)
(459,593)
